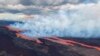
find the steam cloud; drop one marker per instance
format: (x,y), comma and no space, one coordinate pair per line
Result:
(81,20)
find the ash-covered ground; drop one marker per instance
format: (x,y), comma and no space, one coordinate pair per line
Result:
(11,45)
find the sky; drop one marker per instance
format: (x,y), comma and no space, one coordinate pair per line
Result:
(35,6)
(41,18)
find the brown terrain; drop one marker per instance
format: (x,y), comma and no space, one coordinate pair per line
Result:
(12,43)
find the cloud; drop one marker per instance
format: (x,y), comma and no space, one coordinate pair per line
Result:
(9,1)
(36,6)
(14,9)
(25,2)
(45,2)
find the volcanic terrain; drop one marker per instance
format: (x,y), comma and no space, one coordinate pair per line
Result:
(12,43)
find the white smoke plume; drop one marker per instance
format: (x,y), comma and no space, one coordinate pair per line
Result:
(81,20)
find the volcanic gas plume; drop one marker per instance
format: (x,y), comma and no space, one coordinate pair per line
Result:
(80,20)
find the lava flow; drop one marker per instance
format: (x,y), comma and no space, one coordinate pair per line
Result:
(71,43)
(28,38)
(13,29)
(53,39)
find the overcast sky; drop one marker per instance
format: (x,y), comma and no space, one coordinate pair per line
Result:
(37,6)
(27,6)
(44,2)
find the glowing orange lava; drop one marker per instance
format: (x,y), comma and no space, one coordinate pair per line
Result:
(13,29)
(28,38)
(71,43)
